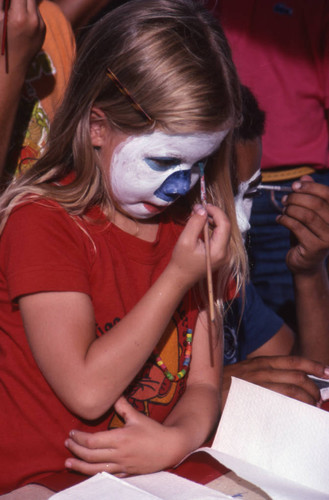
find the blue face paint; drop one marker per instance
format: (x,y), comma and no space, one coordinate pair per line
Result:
(177,184)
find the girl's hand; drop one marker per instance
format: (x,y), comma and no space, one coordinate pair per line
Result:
(142,446)
(306,214)
(189,255)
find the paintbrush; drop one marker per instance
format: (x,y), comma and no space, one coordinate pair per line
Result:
(270,187)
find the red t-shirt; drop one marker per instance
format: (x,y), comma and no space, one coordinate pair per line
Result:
(43,249)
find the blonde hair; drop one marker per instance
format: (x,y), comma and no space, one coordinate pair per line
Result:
(174,59)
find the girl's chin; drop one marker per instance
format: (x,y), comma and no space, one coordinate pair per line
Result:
(141,211)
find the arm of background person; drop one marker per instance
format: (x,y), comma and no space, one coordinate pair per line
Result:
(306,214)
(271,366)
(265,344)
(25,35)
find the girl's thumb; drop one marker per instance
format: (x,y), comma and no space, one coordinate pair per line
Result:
(125,410)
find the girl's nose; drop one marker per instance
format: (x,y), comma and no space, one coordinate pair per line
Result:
(177,184)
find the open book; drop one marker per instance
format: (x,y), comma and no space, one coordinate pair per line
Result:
(158,486)
(275,442)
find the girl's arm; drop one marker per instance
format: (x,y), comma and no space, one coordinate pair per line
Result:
(89,373)
(197,412)
(143,446)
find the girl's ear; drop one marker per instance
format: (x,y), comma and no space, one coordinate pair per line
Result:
(98,126)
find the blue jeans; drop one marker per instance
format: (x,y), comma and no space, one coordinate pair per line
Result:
(268,244)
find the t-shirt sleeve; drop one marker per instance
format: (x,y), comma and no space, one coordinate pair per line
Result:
(43,249)
(259,323)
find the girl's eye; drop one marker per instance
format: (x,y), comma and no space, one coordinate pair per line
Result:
(162,163)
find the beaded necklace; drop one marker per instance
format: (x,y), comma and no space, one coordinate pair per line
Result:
(186,362)
(187,356)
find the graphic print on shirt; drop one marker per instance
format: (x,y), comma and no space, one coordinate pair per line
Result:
(151,390)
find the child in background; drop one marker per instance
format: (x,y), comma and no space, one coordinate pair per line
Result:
(101,302)
(259,346)
(289,76)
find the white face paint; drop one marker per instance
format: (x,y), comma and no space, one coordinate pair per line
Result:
(243,202)
(149,172)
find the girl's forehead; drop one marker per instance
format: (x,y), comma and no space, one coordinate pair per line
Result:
(188,145)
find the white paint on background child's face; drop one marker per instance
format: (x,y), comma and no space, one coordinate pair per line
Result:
(243,202)
(149,172)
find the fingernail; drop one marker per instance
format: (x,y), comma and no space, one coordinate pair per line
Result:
(201,211)
(66,442)
(326,371)
(71,433)
(319,403)
(68,463)
(284,198)
(297,185)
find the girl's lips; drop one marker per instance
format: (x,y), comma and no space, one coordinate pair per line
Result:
(153,208)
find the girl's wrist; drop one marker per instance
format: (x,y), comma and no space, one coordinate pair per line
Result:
(179,277)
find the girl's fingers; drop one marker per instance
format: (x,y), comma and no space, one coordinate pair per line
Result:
(90,469)
(89,455)
(105,439)
(126,411)
(195,223)
(222,227)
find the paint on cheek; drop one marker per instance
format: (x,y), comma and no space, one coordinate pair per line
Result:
(132,180)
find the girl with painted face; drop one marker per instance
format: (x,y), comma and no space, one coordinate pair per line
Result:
(101,253)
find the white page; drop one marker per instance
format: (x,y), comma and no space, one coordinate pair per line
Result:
(158,486)
(171,487)
(275,442)
(103,486)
